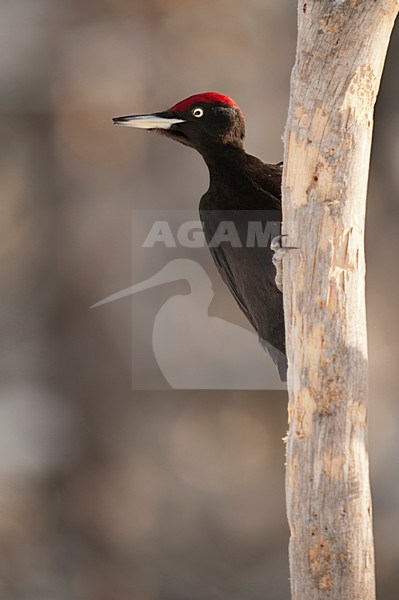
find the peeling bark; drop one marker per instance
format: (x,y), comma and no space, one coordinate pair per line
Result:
(340,56)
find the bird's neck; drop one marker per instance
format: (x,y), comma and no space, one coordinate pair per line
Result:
(223,157)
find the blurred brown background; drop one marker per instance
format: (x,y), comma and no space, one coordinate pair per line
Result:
(105,493)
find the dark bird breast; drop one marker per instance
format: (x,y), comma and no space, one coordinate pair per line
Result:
(240,214)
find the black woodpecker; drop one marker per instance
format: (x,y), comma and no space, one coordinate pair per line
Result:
(243,190)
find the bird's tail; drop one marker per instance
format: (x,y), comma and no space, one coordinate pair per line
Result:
(282,370)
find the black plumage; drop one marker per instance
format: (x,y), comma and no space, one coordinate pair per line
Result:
(242,191)
(244,198)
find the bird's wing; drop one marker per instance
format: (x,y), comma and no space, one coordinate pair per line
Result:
(224,269)
(222,263)
(267,179)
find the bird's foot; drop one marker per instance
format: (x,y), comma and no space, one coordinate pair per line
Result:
(279,252)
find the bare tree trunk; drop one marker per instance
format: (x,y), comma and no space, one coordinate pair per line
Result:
(340,55)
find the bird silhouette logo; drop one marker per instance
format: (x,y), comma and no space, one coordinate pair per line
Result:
(195,350)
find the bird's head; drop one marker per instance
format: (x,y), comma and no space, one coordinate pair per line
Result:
(201,121)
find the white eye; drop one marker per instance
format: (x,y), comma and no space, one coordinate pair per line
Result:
(198,112)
